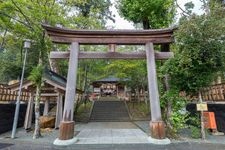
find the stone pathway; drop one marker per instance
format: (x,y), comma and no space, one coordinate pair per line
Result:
(104,133)
(110,133)
(90,133)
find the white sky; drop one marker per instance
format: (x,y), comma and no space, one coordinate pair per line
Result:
(120,23)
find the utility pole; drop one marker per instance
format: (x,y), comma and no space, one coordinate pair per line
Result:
(16,116)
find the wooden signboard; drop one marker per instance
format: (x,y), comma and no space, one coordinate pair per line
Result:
(202,107)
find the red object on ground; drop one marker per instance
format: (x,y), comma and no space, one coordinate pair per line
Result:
(209,120)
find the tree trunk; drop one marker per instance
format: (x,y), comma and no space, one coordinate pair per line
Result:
(3,40)
(138,94)
(53,65)
(85,85)
(37,132)
(146,24)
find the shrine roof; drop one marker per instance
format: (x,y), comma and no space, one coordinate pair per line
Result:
(110,79)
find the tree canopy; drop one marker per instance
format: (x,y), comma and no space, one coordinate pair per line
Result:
(199,51)
(22,19)
(151,13)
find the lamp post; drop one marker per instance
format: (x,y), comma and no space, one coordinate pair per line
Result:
(27,45)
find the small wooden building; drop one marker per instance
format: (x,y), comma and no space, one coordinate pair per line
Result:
(52,91)
(110,86)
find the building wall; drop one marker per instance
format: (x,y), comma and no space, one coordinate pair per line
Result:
(7,115)
(218,109)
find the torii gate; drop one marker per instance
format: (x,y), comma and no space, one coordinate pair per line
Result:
(112,38)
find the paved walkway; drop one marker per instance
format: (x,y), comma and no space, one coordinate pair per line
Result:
(173,146)
(110,133)
(91,133)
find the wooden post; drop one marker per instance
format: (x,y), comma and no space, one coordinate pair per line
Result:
(202,117)
(66,130)
(29,112)
(125,91)
(58,110)
(157,127)
(46,107)
(112,47)
(117,91)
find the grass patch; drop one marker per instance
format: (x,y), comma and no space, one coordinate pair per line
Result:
(139,110)
(83,112)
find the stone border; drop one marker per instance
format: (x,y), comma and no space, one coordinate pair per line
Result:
(59,142)
(165,141)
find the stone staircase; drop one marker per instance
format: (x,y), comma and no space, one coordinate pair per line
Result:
(109,111)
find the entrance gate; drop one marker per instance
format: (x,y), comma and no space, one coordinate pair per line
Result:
(112,38)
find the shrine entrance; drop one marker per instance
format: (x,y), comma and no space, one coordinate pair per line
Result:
(75,38)
(109,86)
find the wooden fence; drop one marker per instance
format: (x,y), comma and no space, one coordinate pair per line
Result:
(214,93)
(211,93)
(8,95)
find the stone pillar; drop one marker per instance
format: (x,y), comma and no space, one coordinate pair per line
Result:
(66,130)
(157,126)
(46,108)
(59,110)
(29,112)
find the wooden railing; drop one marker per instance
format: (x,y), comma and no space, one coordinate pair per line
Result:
(214,93)
(8,95)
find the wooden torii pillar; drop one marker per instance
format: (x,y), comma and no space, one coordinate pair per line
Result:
(111,38)
(67,125)
(157,128)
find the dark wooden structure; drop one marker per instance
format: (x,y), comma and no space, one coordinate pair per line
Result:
(112,38)
(53,91)
(109,86)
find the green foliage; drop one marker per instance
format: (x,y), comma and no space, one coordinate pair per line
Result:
(199,52)
(36,75)
(138,110)
(19,20)
(22,19)
(195,132)
(152,13)
(91,12)
(178,115)
(199,56)
(83,111)
(134,71)
(188,7)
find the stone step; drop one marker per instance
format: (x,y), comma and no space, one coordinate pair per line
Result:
(109,111)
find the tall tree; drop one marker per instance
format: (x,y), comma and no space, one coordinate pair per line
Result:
(151,13)
(22,20)
(36,78)
(200,51)
(91,14)
(199,55)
